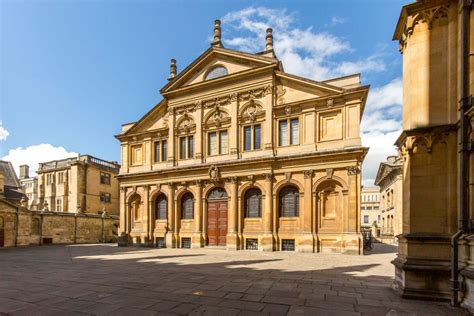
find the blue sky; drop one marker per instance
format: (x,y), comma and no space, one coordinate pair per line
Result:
(73,71)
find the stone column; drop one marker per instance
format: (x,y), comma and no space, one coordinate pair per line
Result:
(352,239)
(123,215)
(170,234)
(306,242)
(177,222)
(146,217)
(232,242)
(151,222)
(197,241)
(266,242)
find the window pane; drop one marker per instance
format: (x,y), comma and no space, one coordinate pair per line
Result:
(212,144)
(224,143)
(164,155)
(289,202)
(182,148)
(187,206)
(253,203)
(295,135)
(157,152)
(190,147)
(256,137)
(247,138)
(283,134)
(161,207)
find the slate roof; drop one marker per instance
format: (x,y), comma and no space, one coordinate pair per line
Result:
(12,186)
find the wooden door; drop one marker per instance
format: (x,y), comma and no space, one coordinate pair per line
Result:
(216,223)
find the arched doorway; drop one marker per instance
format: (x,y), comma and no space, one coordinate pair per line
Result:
(2,233)
(217,217)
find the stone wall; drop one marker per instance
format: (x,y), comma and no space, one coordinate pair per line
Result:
(22,227)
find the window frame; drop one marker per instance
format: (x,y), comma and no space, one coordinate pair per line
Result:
(288,121)
(282,212)
(252,137)
(188,147)
(259,203)
(105,197)
(160,154)
(187,196)
(158,214)
(103,176)
(218,140)
(133,161)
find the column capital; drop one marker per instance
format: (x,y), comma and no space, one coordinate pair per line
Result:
(308,174)
(232,180)
(268,176)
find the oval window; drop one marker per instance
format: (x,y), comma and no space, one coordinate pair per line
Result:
(216,72)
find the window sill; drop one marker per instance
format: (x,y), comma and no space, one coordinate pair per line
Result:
(286,146)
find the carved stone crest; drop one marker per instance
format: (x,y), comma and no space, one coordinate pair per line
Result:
(288,176)
(280,92)
(214,173)
(353,170)
(330,102)
(329,173)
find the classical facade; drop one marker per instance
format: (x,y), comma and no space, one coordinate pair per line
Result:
(29,186)
(81,184)
(242,155)
(370,207)
(389,179)
(436,254)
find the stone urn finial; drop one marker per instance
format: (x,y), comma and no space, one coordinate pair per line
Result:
(45,206)
(269,40)
(173,69)
(216,41)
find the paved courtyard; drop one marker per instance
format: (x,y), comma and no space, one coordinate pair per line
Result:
(105,279)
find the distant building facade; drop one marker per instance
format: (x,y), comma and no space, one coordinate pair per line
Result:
(80,184)
(242,155)
(370,207)
(389,179)
(29,186)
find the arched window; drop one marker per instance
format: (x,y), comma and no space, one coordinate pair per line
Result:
(217,194)
(253,203)
(187,206)
(161,207)
(289,203)
(216,72)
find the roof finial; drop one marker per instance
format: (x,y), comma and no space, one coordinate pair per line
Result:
(217,34)
(172,69)
(269,40)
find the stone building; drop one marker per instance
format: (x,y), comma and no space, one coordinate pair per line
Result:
(242,155)
(370,207)
(80,184)
(436,253)
(20,226)
(29,186)
(389,179)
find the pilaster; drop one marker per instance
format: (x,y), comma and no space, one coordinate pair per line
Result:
(197,240)
(232,240)
(267,242)
(306,240)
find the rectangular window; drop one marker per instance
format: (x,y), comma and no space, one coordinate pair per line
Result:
(164,154)
(295,135)
(190,146)
(104,178)
(156,151)
(251,244)
(105,198)
(58,205)
(256,136)
(186,242)
(212,144)
(182,148)
(283,133)
(160,242)
(366,219)
(223,143)
(288,245)
(247,138)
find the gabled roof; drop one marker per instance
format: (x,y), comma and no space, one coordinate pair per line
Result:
(12,186)
(142,120)
(305,81)
(209,55)
(386,168)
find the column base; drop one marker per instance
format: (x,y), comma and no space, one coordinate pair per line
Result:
(423,266)
(170,240)
(266,242)
(197,241)
(352,244)
(232,242)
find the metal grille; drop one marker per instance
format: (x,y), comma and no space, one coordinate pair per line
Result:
(251,244)
(185,242)
(160,242)
(288,245)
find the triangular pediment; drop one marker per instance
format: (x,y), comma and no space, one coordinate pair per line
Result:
(217,63)
(291,88)
(155,120)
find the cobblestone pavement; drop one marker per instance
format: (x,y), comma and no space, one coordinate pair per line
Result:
(105,279)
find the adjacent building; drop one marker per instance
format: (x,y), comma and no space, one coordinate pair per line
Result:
(29,186)
(436,253)
(370,207)
(389,179)
(80,184)
(242,155)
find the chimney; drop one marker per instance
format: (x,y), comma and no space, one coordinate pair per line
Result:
(24,172)
(217,34)
(172,69)
(269,40)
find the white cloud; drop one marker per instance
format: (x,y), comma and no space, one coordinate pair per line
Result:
(3,132)
(303,51)
(35,154)
(337,20)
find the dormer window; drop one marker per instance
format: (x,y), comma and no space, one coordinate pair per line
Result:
(216,72)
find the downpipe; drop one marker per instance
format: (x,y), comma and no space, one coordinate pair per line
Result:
(455,284)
